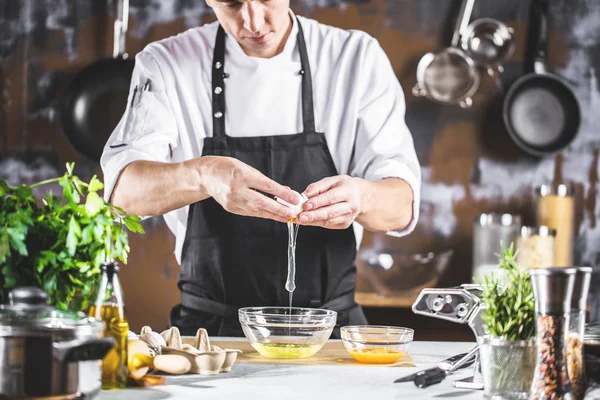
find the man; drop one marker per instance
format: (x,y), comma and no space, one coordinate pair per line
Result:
(225,117)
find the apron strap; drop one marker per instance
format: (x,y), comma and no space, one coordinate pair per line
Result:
(208,306)
(340,304)
(308,109)
(218,84)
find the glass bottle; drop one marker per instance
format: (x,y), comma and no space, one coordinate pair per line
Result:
(553,289)
(110,308)
(575,361)
(489,231)
(555,208)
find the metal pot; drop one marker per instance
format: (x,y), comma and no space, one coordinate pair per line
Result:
(449,76)
(43,350)
(489,43)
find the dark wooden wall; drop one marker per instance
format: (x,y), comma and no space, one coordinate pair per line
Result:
(469,163)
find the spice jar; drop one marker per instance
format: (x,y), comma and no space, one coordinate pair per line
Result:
(536,247)
(553,289)
(556,210)
(591,353)
(489,230)
(575,361)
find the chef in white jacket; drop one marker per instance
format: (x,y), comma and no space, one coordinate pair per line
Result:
(224,118)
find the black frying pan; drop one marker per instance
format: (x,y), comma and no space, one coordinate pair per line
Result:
(540,111)
(97,97)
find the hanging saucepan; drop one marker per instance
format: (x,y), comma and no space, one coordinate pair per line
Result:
(540,110)
(488,42)
(449,76)
(97,97)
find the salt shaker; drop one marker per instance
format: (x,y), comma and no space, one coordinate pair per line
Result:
(553,290)
(575,364)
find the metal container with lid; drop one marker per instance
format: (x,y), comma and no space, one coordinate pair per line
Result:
(553,291)
(489,232)
(535,247)
(555,209)
(41,347)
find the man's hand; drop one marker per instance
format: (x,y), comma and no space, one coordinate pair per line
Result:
(235,185)
(333,203)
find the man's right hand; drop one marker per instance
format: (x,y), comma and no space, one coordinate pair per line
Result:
(235,185)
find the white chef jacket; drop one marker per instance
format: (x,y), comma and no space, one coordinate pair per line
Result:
(359,105)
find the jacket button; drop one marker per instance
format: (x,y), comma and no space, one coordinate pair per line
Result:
(218,65)
(218,114)
(218,90)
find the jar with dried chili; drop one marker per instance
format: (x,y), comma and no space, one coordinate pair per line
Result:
(553,290)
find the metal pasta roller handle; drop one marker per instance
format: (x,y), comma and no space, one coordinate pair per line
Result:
(462,305)
(434,376)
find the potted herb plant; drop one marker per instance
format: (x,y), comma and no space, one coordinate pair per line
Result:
(59,244)
(508,352)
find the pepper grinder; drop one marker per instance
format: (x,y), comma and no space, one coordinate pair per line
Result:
(553,290)
(575,364)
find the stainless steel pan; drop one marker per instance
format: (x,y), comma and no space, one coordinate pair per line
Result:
(488,42)
(541,113)
(450,76)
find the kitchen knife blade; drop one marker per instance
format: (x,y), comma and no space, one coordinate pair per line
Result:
(441,367)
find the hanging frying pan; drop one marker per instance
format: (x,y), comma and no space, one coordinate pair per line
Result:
(97,97)
(541,113)
(449,76)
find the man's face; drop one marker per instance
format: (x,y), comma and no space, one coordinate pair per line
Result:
(259,26)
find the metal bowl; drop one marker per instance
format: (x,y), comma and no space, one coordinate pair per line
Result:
(488,42)
(396,272)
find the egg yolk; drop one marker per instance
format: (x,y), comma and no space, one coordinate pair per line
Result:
(376,356)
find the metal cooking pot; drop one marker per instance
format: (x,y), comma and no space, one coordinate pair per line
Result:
(489,43)
(449,76)
(42,349)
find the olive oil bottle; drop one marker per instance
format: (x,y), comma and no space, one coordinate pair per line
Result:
(110,308)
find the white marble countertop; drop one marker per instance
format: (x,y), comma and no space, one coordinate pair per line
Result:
(272,381)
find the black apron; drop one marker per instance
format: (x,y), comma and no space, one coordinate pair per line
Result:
(230,261)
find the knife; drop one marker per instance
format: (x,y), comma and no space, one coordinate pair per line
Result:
(443,366)
(433,377)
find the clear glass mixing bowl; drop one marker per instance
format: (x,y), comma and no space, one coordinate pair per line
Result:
(284,332)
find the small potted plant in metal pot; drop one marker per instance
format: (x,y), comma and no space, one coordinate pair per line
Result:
(508,352)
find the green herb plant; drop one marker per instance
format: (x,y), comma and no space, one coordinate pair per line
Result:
(510,312)
(510,315)
(60,245)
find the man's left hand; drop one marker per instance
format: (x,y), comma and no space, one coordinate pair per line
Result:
(333,203)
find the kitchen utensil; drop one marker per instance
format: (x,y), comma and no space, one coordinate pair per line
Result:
(97,97)
(489,231)
(449,76)
(287,332)
(42,348)
(443,365)
(461,305)
(488,42)
(372,344)
(434,376)
(540,111)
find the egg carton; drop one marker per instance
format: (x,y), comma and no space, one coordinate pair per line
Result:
(205,359)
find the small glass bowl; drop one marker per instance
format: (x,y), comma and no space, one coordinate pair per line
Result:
(371,344)
(284,332)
